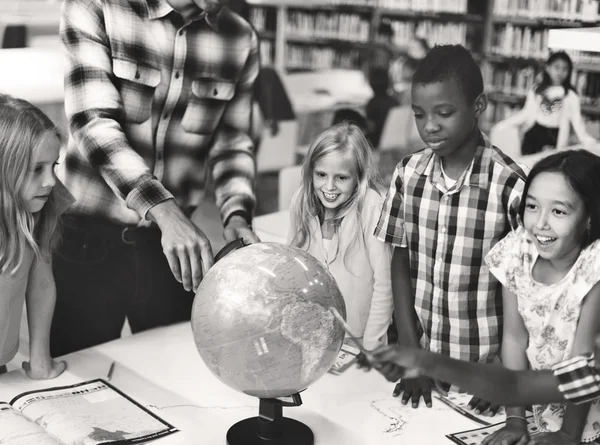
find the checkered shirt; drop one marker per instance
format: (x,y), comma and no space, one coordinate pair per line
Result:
(448,233)
(156,107)
(579,380)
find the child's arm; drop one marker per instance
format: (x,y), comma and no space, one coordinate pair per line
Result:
(587,327)
(406,324)
(41,297)
(404,298)
(572,116)
(488,381)
(514,344)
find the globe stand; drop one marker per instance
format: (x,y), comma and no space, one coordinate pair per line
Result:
(270,427)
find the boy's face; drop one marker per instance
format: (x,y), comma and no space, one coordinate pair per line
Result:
(445,118)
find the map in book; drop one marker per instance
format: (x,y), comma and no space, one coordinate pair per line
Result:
(87,413)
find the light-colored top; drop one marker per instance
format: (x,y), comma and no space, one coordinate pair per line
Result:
(157,105)
(447,179)
(448,232)
(363,275)
(550,312)
(554,109)
(13,288)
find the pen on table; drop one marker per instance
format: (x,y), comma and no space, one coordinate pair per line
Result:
(110,371)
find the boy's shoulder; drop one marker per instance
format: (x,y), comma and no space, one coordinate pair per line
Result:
(415,163)
(502,163)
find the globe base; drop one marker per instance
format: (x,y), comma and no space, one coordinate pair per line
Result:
(270,428)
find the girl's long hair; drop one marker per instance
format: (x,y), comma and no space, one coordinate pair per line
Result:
(547,82)
(22,128)
(347,139)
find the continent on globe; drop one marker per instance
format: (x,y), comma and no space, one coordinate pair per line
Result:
(261,320)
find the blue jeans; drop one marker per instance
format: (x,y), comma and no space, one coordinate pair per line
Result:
(105,272)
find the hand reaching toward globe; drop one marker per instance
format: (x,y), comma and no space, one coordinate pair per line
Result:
(186,247)
(237,227)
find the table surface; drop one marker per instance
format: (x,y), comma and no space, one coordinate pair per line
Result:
(162,369)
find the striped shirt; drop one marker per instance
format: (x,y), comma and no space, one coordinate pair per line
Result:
(579,380)
(156,106)
(448,232)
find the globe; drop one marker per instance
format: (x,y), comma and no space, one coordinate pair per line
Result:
(262,322)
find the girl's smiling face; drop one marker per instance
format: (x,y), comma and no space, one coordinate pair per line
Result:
(334,180)
(555,217)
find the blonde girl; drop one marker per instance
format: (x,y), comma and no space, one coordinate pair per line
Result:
(333,217)
(31,200)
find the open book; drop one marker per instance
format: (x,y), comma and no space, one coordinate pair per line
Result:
(88,413)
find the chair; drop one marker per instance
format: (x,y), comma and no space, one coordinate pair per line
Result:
(290,179)
(277,151)
(399,131)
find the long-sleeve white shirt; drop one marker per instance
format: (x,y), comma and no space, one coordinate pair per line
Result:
(364,275)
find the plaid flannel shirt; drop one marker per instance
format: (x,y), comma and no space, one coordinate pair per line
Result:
(448,233)
(155,106)
(579,380)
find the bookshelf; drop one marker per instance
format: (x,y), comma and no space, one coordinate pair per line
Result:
(322,34)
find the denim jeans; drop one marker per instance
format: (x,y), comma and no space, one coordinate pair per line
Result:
(105,272)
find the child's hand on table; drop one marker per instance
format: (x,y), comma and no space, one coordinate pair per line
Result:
(44,370)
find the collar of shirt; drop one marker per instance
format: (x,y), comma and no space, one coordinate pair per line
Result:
(160,8)
(476,175)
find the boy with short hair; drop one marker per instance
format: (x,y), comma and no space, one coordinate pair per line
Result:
(446,207)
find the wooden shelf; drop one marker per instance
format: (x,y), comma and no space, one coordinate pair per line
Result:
(266,35)
(430,15)
(541,22)
(325,41)
(498,58)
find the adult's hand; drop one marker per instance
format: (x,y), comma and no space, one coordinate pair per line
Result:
(186,247)
(238,227)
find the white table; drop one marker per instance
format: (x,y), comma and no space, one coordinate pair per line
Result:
(162,370)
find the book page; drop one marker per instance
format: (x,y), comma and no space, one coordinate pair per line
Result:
(91,413)
(16,429)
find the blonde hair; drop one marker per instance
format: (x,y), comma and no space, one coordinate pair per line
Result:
(347,139)
(22,128)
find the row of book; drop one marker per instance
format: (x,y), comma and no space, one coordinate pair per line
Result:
(514,80)
(312,57)
(519,41)
(433,6)
(435,32)
(352,27)
(583,10)
(266,53)
(258,18)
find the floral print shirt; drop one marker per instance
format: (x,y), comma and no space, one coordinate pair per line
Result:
(550,312)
